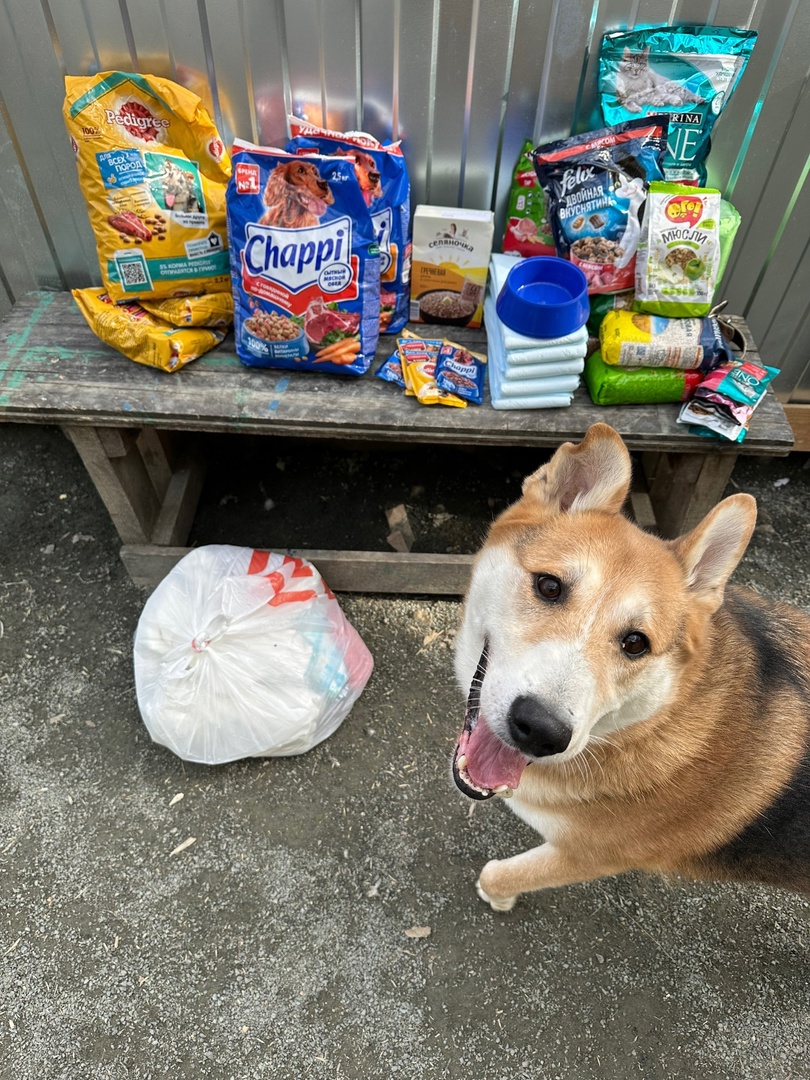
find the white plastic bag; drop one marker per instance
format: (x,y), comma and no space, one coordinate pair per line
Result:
(242,653)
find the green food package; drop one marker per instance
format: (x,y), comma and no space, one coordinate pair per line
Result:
(528,231)
(729,223)
(678,258)
(602,303)
(609,385)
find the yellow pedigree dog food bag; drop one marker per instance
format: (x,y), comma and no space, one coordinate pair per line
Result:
(153,171)
(141,336)
(211,309)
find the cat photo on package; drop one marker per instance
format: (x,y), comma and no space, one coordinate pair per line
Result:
(687,72)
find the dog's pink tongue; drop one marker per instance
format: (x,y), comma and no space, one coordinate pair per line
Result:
(490,762)
(316,205)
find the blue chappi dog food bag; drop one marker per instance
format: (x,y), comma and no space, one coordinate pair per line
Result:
(383,177)
(305,262)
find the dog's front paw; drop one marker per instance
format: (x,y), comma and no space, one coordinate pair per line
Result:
(497,903)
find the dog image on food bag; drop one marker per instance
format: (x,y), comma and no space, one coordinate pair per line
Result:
(296,196)
(640,714)
(368,175)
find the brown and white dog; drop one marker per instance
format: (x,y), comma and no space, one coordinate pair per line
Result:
(296,195)
(367,173)
(641,715)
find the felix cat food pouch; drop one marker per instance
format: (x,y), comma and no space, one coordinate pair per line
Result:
(153,172)
(305,262)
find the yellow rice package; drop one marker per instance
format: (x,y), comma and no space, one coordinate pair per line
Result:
(141,336)
(153,171)
(210,309)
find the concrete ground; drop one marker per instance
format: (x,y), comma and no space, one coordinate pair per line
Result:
(275,946)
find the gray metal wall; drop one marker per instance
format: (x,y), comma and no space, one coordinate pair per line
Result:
(461,82)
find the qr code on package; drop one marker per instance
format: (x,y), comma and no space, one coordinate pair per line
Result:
(133,272)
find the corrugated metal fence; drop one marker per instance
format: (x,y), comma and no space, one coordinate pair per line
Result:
(461,82)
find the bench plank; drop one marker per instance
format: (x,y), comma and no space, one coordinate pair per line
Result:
(54,370)
(344,571)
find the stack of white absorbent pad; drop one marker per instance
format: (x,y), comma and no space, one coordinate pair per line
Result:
(528,373)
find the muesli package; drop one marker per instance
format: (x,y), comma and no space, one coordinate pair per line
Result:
(528,230)
(596,185)
(451,250)
(304,261)
(678,259)
(687,72)
(153,172)
(383,177)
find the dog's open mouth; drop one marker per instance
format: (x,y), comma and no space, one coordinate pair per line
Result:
(483,765)
(314,204)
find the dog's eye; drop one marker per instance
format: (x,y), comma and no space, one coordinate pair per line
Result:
(635,643)
(548,587)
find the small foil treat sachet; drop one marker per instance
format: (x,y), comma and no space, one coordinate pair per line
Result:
(725,400)
(391,370)
(461,372)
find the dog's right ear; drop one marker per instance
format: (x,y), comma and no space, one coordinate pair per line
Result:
(591,475)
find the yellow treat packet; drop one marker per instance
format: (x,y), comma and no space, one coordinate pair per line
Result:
(210,309)
(141,336)
(418,359)
(153,171)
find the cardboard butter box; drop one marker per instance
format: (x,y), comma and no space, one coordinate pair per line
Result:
(451,250)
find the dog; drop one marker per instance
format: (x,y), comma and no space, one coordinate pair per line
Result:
(178,189)
(296,196)
(640,715)
(367,173)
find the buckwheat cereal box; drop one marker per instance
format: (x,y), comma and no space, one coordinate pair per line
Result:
(451,249)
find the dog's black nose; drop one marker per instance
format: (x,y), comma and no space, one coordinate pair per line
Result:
(536,731)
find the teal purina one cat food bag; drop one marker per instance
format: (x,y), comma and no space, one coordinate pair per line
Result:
(687,72)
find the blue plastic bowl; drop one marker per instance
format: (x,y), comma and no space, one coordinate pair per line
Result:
(544,297)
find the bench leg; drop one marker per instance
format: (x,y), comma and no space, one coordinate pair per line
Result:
(684,487)
(149,489)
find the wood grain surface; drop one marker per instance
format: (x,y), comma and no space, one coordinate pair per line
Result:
(54,370)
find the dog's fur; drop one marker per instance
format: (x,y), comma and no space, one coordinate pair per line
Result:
(293,190)
(691,759)
(367,173)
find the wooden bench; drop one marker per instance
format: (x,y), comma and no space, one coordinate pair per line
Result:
(133,427)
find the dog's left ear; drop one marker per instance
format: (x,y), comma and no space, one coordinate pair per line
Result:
(711,551)
(591,475)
